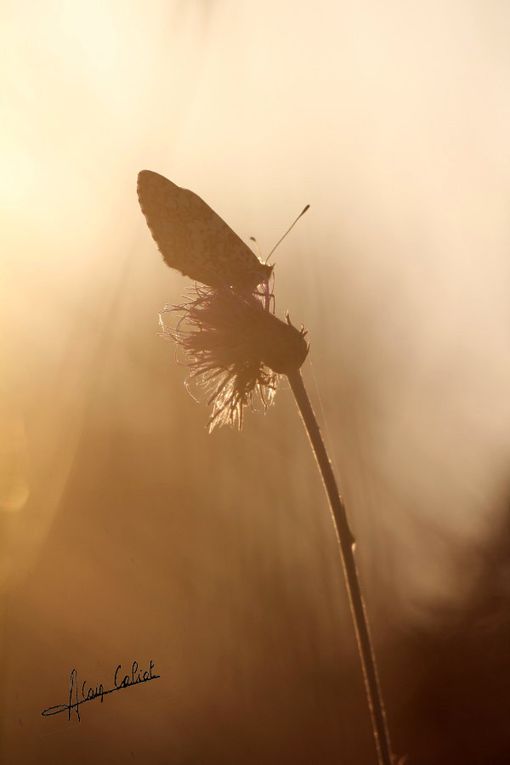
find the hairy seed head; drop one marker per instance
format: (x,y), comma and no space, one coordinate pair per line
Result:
(236,350)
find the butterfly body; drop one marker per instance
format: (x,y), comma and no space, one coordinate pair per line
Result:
(193,239)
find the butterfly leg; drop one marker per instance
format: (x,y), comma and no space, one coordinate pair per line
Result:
(269,299)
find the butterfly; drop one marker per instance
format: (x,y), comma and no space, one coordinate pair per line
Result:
(193,239)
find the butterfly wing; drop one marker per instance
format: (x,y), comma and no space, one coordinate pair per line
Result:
(194,239)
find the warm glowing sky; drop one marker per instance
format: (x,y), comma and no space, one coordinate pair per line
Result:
(391,120)
(124,529)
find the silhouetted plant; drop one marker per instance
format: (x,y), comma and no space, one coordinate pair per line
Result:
(237,349)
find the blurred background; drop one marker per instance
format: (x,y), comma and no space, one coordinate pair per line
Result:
(126,531)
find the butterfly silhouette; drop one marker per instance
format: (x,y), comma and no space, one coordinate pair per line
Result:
(193,239)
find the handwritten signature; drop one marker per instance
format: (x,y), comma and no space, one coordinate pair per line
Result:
(80,695)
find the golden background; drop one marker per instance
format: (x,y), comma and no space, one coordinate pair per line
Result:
(126,532)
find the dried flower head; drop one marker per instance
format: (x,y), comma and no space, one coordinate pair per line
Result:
(236,350)
(235,346)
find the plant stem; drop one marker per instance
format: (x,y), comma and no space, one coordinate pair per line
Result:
(347,543)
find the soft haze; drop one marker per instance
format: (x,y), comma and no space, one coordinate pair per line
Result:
(126,530)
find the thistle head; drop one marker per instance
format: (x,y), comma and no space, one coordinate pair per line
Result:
(236,350)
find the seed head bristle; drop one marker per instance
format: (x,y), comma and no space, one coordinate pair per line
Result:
(236,350)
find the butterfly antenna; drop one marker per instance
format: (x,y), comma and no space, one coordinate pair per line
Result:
(252,239)
(280,240)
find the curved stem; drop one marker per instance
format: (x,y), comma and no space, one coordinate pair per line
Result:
(346,543)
